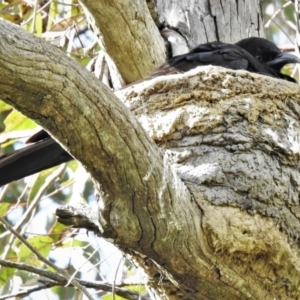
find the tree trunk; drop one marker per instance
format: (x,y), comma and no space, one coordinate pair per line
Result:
(129,36)
(213,214)
(233,138)
(235,145)
(212,20)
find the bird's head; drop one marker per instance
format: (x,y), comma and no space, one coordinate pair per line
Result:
(267,52)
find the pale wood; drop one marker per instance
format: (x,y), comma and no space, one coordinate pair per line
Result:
(210,20)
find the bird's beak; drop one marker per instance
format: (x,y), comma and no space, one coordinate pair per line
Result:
(285,58)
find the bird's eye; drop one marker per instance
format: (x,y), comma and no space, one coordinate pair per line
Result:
(258,57)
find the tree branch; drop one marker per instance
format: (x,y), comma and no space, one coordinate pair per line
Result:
(129,36)
(58,280)
(64,273)
(232,136)
(137,185)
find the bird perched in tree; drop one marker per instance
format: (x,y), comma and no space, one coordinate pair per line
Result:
(268,53)
(253,54)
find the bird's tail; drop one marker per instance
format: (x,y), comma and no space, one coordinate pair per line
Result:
(31,159)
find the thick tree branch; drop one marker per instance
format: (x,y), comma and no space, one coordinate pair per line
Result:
(233,137)
(137,185)
(129,36)
(91,122)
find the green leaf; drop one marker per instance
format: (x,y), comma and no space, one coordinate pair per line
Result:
(58,231)
(73,165)
(4,207)
(139,288)
(53,14)
(17,121)
(110,297)
(5,275)
(42,244)
(4,106)
(38,30)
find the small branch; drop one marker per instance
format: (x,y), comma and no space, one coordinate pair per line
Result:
(28,291)
(54,279)
(31,207)
(267,25)
(107,288)
(133,31)
(83,217)
(47,262)
(31,269)
(34,16)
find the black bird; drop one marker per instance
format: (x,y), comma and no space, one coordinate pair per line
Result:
(268,53)
(253,54)
(256,55)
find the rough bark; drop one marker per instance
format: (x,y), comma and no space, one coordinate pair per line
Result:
(129,36)
(100,132)
(233,138)
(92,124)
(211,20)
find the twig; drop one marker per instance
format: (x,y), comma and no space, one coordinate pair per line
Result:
(276,13)
(30,209)
(49,2)
(58,280)
(34,16)
(47,262)
(86,261)
(114,282)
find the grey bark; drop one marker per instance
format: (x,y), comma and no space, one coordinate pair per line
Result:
(211,20)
